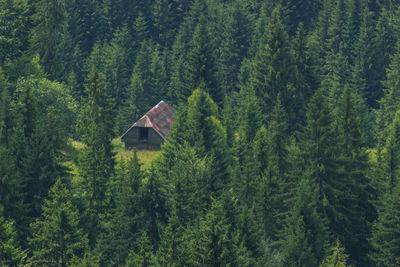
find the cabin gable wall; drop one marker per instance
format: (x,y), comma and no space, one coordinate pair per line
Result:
(132,139)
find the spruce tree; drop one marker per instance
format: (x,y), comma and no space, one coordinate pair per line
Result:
(122,226)
(337,258)
(57,238)
(389,102)
(213,243)
(170,252)
(144,256)
(247,173)
(272,72)
(11,253)
(356,212)
(391,157)
(305,237)
(189,176)
(96,163)
(384,43)
(201,68)
(318,143)
(385,231)
(48,37)
(15,30)
(274,186)
(205,133)
(305,80)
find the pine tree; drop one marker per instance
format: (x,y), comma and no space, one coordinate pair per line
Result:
(189,176)
(356,212)
(213,244)
(247,173)
(274,187)
(338,258)
(153,201)
(163,19)
(122,226)
(96,164)
(363,77)
(318,144)
(385,231)
(200,71)
(48,35)
(57,238)
(389,102)
(170,252)
(391,156)
(10,252)
(305,235)
(144,256)
(305,81)
(384,43)
(319,40)
(234,45)
(14,25)
(206,134)
(272,72)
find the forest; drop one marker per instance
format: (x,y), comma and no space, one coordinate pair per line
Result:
(285,150)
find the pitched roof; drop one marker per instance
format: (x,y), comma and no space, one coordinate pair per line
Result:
(159,118)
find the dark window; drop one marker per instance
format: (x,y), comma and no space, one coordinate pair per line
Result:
(143,133)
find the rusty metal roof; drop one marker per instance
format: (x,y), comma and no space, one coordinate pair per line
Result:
(159,118)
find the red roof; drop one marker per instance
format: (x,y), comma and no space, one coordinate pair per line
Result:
(159,118)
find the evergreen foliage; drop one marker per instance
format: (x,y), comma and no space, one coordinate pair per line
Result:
(284,149)
(57,238)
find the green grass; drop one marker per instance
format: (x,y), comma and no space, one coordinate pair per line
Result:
(145,156)
(74,147)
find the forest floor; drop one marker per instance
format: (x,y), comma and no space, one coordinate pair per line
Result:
(72,152)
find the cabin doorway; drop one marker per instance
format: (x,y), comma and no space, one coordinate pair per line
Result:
(143,134)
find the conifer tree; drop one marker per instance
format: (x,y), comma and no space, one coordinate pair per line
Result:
(153,203)
(170,252)
(247,172)
(163,19)
(96,164)
(305,81)
(356,212)
(363,77)
(318,144)
(57,238)
(338,30)
(122,226)
(48,35)
(389,101)
(384,43)
(214,244)
(15,30)
(305,235)
(206,134)
(201,68)
(272,73)
(338,258)
(385,231)
(144,256)
(234,45)
(10,252)
(318,42)
(189,175)
(391,157)
(274,186)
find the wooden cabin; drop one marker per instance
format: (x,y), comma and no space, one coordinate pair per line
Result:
(151,130)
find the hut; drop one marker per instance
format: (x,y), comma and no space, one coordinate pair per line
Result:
(151,130)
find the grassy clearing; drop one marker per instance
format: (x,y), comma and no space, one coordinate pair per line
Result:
(145,156)
(72,151)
